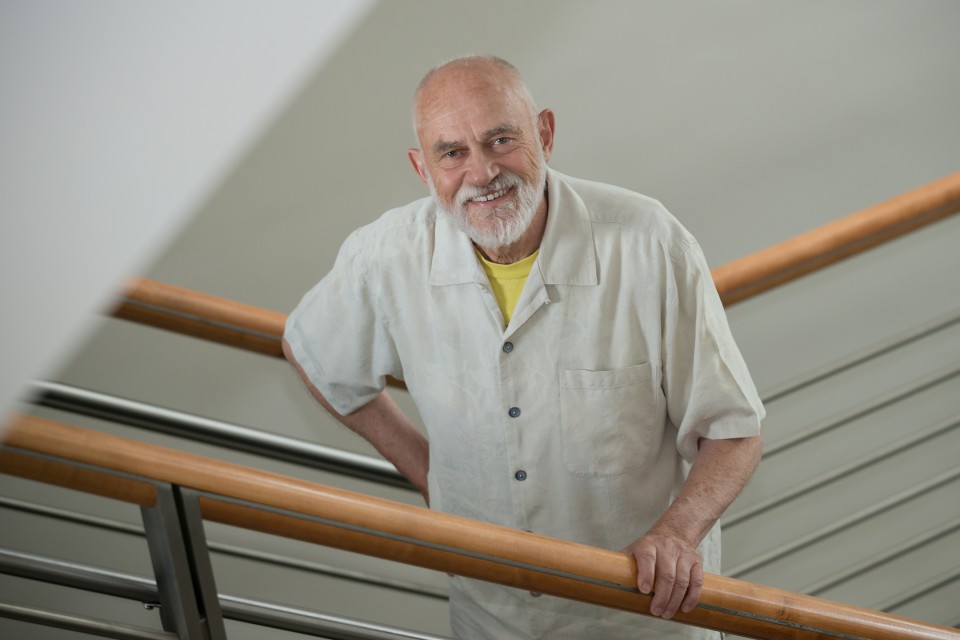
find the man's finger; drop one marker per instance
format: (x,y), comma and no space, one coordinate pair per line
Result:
(646,558)
(695,589)
(685,568)
(666,576)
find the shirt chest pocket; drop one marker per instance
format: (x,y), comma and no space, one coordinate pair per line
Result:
(611,421)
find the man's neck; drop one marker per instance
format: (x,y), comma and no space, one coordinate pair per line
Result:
(528,242)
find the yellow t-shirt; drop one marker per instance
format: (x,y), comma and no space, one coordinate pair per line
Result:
(507,281)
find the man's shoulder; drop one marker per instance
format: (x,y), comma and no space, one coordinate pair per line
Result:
(420,213)
(622,210)
(398,226)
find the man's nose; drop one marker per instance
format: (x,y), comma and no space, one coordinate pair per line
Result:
(482,168)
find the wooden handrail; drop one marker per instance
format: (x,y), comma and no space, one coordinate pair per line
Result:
(294,508)
(205,316)
(823,246)
(232,323)
(202,316)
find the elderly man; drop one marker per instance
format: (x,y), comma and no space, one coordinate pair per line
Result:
(566,349)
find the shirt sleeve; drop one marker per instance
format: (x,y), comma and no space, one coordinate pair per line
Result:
(338,336)
(708,388)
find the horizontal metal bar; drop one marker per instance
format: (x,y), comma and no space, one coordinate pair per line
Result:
(920,591)
(82,624)
(822,480)
(232,436)
(64,515)
(321,625)
(234,607)
(845,523)
(872,406)
(888,555)
(71,574)
(236,551)
(872,352)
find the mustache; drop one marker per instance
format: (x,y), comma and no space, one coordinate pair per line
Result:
(502,181)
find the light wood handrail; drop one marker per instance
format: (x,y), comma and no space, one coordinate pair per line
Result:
(299,509)
(232,323)
(206,316)
(202,316)
(823,246)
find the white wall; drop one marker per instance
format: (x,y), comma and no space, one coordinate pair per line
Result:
(117,120)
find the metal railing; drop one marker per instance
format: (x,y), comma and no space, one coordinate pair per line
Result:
(143,590)
(224,434)
(298,564)
(177,491)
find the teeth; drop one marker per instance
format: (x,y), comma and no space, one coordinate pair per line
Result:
(492,196)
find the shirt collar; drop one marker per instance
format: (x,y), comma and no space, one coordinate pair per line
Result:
(567,253)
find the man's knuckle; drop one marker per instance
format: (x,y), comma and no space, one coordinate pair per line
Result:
(645,554)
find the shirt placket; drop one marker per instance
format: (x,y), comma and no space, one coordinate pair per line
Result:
(522,462)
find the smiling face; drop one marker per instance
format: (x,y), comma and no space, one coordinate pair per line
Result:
(483,150)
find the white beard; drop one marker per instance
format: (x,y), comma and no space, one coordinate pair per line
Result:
(504,224)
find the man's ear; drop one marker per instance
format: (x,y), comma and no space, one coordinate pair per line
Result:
(548,125)
(416,159)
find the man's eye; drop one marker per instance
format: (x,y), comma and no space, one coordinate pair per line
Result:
(451,154)
(501,141)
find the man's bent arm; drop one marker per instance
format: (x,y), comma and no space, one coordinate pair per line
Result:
(382,423)
(668,562)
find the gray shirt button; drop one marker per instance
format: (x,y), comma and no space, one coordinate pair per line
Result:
(514,412)
(520,475)
(507,347)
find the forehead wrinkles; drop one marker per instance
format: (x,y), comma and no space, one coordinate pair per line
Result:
(472,102)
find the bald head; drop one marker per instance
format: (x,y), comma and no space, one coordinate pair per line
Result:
(460,77)
(483,153)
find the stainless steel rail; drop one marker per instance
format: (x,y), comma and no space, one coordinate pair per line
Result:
(880,559)
(159,419)
(92,626)
(236,608)
(232,550)
(813,537)
(871,406)
(872,352)
(322,625)
(915,439)
(906,597)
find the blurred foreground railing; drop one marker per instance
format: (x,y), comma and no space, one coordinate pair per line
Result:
(140,473)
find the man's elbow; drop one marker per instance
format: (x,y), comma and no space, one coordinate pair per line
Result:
(287,349)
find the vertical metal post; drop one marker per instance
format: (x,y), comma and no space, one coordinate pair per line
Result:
(189,605)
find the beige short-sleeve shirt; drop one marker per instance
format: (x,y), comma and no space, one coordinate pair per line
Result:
(579,419)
